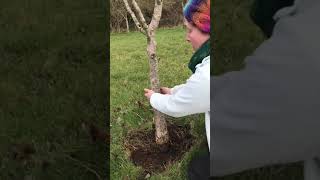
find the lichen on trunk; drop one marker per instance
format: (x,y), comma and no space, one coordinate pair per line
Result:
(162,136)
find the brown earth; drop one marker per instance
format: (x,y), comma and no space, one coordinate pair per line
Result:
(152,157)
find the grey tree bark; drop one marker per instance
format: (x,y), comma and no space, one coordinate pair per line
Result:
(127,23)
(162,135)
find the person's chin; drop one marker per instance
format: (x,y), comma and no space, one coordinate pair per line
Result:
(194,49)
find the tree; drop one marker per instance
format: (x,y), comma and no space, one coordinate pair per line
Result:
(162,136)
(118,16)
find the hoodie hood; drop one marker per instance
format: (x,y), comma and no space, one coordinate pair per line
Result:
(298,7)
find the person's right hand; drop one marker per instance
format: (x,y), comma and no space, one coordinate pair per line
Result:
(165,90)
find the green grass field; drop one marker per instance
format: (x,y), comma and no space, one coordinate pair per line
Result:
(52,77)
(235,36)
(129,76)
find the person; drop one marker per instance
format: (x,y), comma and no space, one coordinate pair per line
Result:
(262,13)
(193,96)
(268,113)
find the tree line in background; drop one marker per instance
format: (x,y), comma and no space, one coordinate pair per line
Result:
(121,21)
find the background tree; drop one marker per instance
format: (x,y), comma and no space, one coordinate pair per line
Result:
(118,16)
(171,14)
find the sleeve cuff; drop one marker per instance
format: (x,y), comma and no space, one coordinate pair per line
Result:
(154,100)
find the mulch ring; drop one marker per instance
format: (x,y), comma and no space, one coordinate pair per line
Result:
(152,157)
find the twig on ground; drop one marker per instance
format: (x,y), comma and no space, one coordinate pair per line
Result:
(80,163)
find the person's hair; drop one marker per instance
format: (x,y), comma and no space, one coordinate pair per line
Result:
(197,12)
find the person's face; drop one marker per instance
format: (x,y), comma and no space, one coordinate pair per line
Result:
(195,36)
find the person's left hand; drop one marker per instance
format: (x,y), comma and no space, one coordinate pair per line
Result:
(148,93)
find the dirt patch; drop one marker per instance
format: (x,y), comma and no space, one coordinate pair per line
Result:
(152,157)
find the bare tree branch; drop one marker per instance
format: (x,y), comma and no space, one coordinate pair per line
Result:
(157,11)
(141,18)
(134,17)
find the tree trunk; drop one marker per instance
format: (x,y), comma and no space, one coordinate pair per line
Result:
(182,17)
(162,136)
(127,23)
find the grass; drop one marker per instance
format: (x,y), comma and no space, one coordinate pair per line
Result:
(235,36)
(129,76)
(52,77)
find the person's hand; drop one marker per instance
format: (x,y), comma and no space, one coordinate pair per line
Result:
(148,93)
(165,90)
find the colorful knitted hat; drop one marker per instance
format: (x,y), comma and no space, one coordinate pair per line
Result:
(197,12)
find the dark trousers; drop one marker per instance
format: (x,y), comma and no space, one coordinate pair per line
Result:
(199,167)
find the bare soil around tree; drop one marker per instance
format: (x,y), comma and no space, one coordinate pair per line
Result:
(152,157)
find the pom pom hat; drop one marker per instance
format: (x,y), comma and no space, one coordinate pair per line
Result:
(197,12)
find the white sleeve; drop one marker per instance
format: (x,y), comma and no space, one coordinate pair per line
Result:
(176,88)
(193,97)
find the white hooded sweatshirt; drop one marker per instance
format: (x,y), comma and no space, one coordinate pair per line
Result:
(189,98)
